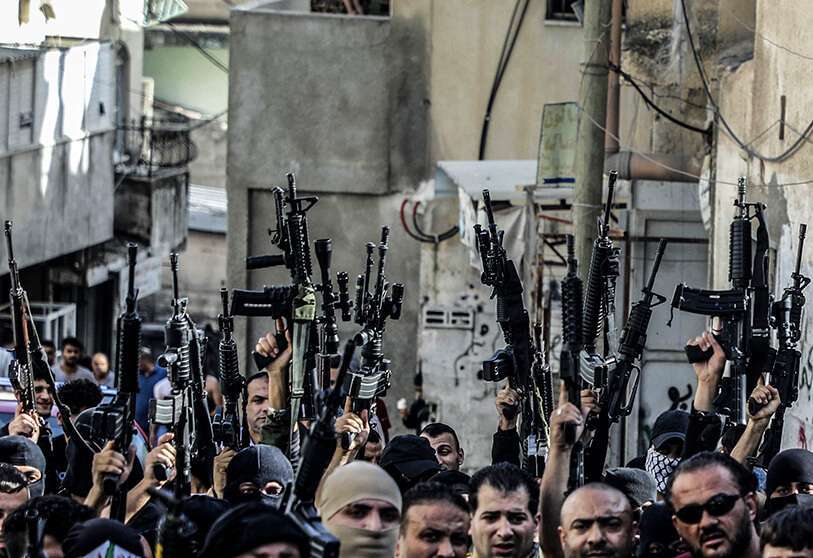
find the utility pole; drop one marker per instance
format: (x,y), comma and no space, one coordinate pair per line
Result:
(589,164)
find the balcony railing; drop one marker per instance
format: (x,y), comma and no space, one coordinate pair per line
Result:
(152,144)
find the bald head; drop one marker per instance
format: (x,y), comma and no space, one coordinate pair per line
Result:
(596,518)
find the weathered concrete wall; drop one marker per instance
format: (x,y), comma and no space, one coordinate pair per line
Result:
(341,103)
(750,102)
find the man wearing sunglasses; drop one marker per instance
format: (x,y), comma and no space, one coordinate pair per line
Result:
(714,507)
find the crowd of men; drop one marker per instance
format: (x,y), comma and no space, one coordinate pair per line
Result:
(698,490)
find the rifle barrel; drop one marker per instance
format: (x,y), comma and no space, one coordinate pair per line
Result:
(609,207)
(487,206)
(802,233)
(9,246)
(656,265)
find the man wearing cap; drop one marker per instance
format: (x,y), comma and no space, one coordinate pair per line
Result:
(637,485)
(409,459)
(664,453)
(361,505)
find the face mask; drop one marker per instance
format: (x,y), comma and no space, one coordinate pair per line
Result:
(363,543)
(779,503)
(660,466)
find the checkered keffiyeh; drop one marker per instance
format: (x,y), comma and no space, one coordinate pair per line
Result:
(660,466)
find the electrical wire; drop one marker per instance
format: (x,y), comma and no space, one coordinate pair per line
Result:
(217,63)
(419,233)
(505,55)
(655,107)
(789,152)
(670,168)
(767,39)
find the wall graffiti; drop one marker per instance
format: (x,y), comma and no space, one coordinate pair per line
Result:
(679,401)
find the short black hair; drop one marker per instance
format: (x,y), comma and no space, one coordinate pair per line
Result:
(435,429)
(73,342)
(41,372)
(11,479)
(80,394)
(47,343)
(373,437)
(505,477)
(59,513)
(745,480)
(430,492)
(790,528)
(256,376)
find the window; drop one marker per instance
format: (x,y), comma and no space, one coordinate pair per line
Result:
(561,10)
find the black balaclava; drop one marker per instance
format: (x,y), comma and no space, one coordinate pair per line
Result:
(203,511)
(258,465)
(250,526)
(19,450)
(791,465)
(85,538)
(658,534)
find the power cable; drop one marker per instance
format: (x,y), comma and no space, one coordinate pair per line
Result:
(655,107)
(767,39)
(198,47)
(419,233)
(789,152)
(673,169)
(505,55)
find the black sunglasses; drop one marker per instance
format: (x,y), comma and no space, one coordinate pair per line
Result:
(717,505)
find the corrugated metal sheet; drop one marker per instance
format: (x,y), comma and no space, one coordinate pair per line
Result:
(207,209)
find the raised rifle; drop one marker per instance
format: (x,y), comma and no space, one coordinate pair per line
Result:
(30,357)
(743,310)
(599,298)
(515,361)
(295,302)
(299,499)
(114,420)
(328,356)
(786,314)
(371,312)
(618,397)
(540,404)
(228,429)
(185,411)
(21,373)
(569,357)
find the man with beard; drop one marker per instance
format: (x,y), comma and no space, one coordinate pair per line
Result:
(714,506)
(446,444)
(435,523)
(361,505)
(597,520)
(68,367)
(505,512)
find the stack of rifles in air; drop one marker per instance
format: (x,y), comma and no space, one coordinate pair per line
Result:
(315,351)
(744,318)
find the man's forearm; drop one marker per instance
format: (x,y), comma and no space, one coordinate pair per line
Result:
(552,494)
(748,443)
(704,395)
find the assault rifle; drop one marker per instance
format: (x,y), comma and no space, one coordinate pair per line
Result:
(371,312)
(317,451)
(295,302)
(786,314)
(617,397)
(743,310)
(599,298)
(114,421)
(541,407)
(30,357)
(227,427)
(329,332)
(569,357)
(186,410)
(514,362)
(20,370)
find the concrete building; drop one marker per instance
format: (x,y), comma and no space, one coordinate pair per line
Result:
(72,162)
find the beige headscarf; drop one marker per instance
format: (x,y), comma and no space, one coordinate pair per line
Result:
(356,481)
